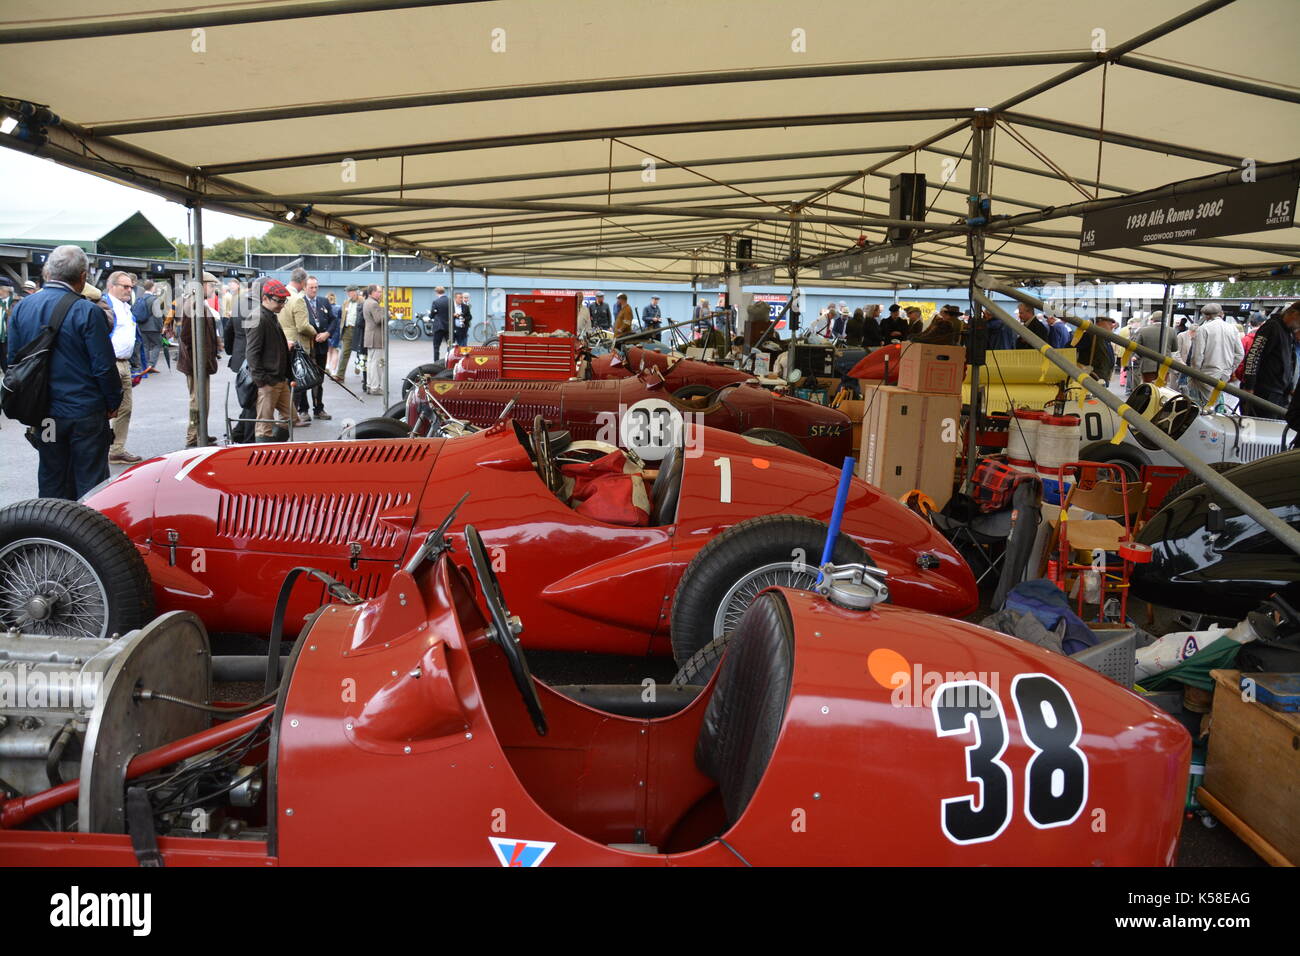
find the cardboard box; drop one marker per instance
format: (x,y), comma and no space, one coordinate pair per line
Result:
(909,440)
(932,368)
(854,407)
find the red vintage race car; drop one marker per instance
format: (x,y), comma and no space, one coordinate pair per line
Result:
(834,732)
(639,412)
(218,529)
(483,363)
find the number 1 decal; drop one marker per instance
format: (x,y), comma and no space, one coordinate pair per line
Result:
(724,464)
(1056,788)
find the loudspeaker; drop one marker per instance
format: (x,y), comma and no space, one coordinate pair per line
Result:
(906,201)
(744,254)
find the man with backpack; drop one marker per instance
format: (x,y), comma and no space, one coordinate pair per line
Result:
(83,390)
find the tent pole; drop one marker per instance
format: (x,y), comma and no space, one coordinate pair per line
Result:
(981,127)
(386,315)
(1216,482)
(198,325)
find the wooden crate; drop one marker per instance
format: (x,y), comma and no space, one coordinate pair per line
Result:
(1252,771)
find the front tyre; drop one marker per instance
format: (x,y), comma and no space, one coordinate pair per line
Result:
(728,573)
(68,571)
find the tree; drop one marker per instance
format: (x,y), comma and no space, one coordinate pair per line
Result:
(227,250)
(1247,289)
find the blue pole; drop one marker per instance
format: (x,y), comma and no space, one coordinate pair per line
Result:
(837,513)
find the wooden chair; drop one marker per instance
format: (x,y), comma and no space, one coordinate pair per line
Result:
(1083,545)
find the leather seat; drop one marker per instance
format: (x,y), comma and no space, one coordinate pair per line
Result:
(667,488)
(747,709)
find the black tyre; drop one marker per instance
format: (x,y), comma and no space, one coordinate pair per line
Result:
(67,571)
(1126,456)
(375,428)
(429,368)
(410,331)
(697,671)
(692,391)
(446,375)
(722,580)
(396,411)
(1190,481)
(777,437)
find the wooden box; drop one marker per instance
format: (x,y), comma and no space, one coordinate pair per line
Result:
(1252,771)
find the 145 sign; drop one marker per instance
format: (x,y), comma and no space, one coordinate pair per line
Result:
(1056,776)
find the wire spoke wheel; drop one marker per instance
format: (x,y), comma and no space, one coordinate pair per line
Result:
(47,586)
(737,600)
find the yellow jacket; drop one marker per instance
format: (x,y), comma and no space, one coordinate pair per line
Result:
(296,322)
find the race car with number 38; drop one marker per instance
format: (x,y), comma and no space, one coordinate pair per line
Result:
(836,730)
(218,529)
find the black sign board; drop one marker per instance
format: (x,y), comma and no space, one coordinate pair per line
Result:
(1219,211)
(867,262)
(759,277)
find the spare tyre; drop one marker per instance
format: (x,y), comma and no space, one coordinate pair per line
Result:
(381,427)
(413,376)
(724,577)
(1190,481)
(68,571)
(1127,457)
(396,411)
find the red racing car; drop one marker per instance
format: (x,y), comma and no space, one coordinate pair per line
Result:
(832,733)
(219,529)
(640,412)
(483,363)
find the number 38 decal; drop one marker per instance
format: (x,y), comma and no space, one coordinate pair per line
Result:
(1056,787)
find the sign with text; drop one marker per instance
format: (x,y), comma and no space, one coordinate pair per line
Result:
(867,262)
(398,302)
(1218,211)
(759,277)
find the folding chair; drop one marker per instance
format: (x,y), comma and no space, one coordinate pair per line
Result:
(1096,538)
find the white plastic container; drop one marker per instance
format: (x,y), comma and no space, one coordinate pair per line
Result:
(1022,440)
(1057,444)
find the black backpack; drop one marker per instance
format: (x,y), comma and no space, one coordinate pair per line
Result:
(26,393)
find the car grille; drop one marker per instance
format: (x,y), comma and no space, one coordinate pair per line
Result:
(343,453)
(1251,450)
(311,518)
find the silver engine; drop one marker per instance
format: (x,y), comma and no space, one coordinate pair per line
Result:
(69,708)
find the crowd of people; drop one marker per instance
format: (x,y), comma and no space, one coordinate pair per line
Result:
(109,341)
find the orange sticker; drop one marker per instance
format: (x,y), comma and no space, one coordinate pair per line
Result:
(888,668)
(761,463)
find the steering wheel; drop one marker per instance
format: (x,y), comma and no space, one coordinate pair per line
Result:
(502,633)
(541,442)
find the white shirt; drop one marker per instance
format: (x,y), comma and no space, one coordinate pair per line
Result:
(1216,350)
(123,336)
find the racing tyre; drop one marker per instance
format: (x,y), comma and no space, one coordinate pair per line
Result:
(430,368)
(1190,481)
(697,671)
(68,571)
(722,580)
(446,375)
(692,391)
(396,411)
(411,331)
(1127,457)
(375,428)
(777,437)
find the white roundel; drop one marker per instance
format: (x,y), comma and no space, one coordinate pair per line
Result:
(650,427)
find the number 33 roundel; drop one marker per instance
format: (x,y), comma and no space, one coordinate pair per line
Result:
(1056,787)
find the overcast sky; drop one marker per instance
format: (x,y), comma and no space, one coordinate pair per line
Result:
(38,185)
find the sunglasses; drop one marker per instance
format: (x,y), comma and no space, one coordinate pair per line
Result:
(276,298)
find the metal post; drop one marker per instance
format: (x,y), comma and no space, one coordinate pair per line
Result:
(1224,489)
(451,307)
(1166,309)
(198,326)
(386,316)
(487,314)
(978,217)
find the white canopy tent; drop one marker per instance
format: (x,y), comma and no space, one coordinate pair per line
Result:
(642,140)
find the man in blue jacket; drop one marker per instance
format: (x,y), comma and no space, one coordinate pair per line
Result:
(148,322)
(85,387)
